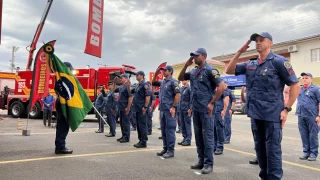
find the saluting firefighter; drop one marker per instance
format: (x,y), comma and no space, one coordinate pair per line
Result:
(204,80)
(141,100)
(169,98)
(265,80)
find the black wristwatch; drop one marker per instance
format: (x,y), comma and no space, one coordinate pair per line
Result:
(174,107)
(145,107)
(287,108)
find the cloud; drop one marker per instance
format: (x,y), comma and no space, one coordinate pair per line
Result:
(145,33)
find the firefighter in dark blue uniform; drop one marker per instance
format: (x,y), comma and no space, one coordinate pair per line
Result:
(100,106)
(62,128)
(150,111)
(185,113)
(110,107)
(265,81)
(219,114)
(124,105)
(133,118)
(309,117)
(158,94)
(169,98)
(141,100)
(228,116)
(178,118)
(204,80)
(244,100)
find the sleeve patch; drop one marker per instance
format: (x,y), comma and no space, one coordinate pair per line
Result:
(287,64)
(146,86)
(215,72)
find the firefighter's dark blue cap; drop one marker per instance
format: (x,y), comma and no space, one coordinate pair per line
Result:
(198,52)
(170,68)
(123,76)
(254,36)
(69,65)
(140,73)
(306,74)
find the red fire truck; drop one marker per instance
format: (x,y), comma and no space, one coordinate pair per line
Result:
(16,98)
(15,87)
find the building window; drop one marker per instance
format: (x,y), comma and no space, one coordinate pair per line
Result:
(315,55)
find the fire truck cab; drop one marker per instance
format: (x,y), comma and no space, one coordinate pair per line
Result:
(16,100)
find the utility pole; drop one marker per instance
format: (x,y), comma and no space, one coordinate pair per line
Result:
(12,65)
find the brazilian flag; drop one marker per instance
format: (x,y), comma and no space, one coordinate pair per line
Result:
(75,103)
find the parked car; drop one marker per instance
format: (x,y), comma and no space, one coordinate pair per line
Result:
(239,105)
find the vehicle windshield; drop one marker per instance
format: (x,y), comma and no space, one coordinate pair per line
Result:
(132,77)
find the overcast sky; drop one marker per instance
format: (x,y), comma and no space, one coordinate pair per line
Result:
(145,33)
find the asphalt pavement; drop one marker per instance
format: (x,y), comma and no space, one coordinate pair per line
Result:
(98,157)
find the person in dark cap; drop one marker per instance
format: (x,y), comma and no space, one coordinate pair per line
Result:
(169,98)
(124,105)
(204,79)
(265,80)
(99,105)
(62,128)
(141,99)
(309,117)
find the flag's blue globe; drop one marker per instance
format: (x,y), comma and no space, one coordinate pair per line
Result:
(64,88)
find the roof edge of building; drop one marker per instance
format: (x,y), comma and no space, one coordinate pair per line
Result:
(226,57)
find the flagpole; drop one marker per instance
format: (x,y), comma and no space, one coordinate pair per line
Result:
(100,115)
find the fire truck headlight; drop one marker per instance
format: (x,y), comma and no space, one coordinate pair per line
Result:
(74,72)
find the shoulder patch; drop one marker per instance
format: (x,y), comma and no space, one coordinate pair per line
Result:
(176,83)
(214,72)
(287,64)
(146,86)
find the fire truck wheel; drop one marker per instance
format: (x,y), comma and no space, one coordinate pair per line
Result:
(17,109)
(36,111)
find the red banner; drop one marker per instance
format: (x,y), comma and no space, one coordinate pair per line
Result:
(1,3)
(159,78)
(151,74)
(95,26)
(40,76)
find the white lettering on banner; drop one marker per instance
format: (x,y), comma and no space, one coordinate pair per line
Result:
(97,2)
(94,40)
(230,79)
(95,26)
(96,14)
